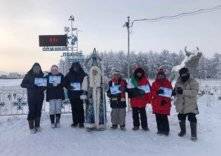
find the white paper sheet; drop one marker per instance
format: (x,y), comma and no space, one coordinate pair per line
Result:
(41,82)
(115,89)
(76,86)
(145,88)
(167,92)
(55,80)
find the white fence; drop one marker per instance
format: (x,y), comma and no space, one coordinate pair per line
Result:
(13,99)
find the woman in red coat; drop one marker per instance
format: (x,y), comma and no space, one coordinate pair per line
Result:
(161,93)
(139,94)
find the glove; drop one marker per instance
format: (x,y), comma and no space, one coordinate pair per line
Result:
(162,103)
(109,94)
(83,97)
(174,92)
(135,92)
(179,90)
(160,91)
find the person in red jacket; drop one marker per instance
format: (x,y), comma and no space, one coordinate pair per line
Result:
(139,94)
(161,93)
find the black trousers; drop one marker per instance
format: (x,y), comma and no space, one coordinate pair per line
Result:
(162,123)
(191,117)
(55,117)
(34,107)
(77,111)
(139,115)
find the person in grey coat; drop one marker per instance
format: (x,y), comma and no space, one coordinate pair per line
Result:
(185,92)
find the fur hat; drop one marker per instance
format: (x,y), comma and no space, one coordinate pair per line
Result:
(115,71)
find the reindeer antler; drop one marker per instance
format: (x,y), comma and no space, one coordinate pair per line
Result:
(188,53)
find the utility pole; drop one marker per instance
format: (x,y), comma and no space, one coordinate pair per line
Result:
(128,25)
(72,33)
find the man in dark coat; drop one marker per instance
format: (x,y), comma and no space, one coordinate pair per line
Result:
(35,84)
(73,82)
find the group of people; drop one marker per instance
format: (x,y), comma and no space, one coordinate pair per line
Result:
(139,90)
(54,83)
(159,95)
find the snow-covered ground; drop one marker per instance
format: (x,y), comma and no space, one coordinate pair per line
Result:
(10,82)
(15,139)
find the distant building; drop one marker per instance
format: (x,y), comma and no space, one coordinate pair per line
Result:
(14,75)
(69,58)
(3,76)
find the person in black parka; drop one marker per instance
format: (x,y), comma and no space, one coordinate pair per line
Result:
(55,95)
(73,82)
(35,96)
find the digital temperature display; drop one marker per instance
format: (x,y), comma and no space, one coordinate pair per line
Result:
(52,40)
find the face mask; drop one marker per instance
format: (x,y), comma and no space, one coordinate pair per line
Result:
(185,77)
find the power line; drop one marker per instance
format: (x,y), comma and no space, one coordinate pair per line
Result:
(190,13)
(129,23)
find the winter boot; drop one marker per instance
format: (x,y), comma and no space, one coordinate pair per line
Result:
(57,124)
(122,127)
(193,127)
(37,124)
(182,129)
(52,121)
(145,128)
(166,133)
(53,125)
(159,132)
(31,126)
(74,125)
(81,125)
(114,127)
(135,128)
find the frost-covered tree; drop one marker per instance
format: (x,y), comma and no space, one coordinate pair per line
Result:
(151,61)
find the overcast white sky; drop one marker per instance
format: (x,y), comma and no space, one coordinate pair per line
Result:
(101,21)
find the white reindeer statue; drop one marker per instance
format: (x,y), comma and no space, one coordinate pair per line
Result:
(191,61)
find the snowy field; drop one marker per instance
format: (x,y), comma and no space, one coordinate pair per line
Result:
(15,139)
